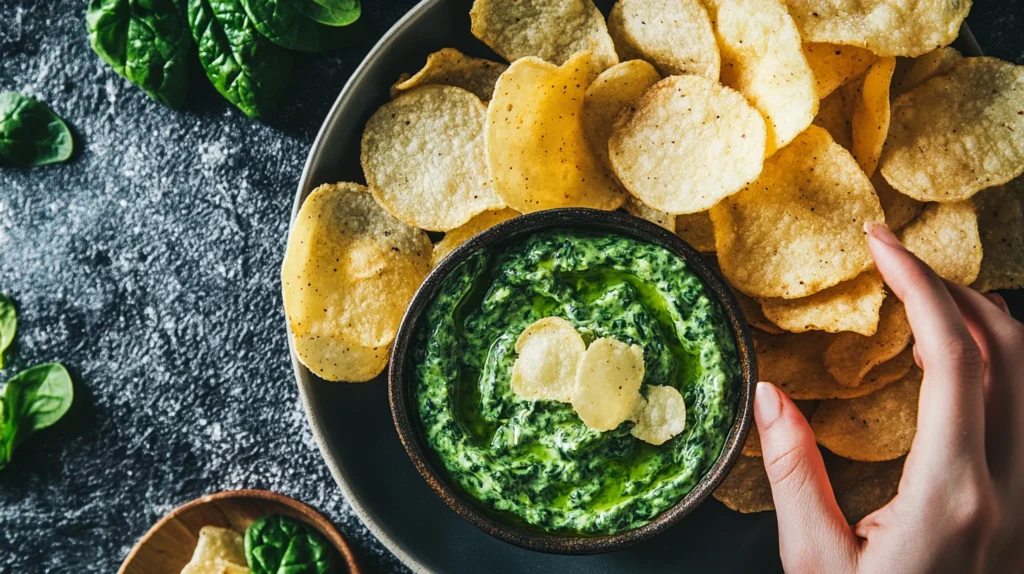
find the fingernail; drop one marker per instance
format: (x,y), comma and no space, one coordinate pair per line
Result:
(881,233)
(767,404)
(917,357)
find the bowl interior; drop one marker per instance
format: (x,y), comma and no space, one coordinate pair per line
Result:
(403,400)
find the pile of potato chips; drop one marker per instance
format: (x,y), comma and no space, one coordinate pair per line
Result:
(763,132)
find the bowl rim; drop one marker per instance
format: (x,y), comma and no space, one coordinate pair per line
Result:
(406,418)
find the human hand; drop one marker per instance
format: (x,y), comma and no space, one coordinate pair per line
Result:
(960,506)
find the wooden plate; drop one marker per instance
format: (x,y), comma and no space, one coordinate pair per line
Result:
(168,545)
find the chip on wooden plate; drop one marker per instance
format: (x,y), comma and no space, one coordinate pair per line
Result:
(460,235)
(834,65)
(552,30)
(687,143)
(674,35)
(218,551)
(746,489)
(1001,226)
(945,236)
(660,416)
(876,427)
(871,114)
(852,305)
(349,271)
(863,487)
(423,155)
(549,353)
(957,133)
(849,357)
(934,63)
(637,208)
(538,154)
(607,389)
(450,67)
(612,91)
(798,228)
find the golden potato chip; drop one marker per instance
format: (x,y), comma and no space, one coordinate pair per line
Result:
(934,63)
(423,155)
(794,363)
(218,551)
(863,487)
(1001,226)
(450,67)
(958,133)
(886,27)
(552,30)
(697,230)
(945,236)
(871,114)
(607,389)
(850,356)
(674,35)
(876,427)
(798,228)
(834,65)
(752,447)
(899,209)
(661,415)
(637,208)
(349,271)
(747,489)
(763,59)
(616,88)
(549,353)
(538,154)
(849,306)
(460,235)
(687,143)
(835,115)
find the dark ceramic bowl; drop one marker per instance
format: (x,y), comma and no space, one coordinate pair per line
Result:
(410,431)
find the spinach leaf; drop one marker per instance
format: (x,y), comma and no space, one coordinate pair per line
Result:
(331,12)
(278,544)
(31,134)
(246,69)
(146,41)
(8,325)
(281,22)
(33,400)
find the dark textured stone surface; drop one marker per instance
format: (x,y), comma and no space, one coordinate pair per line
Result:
(149,266)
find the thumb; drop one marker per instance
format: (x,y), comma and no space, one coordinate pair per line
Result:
(813,535)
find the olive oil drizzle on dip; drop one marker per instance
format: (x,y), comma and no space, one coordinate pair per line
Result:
(536,460)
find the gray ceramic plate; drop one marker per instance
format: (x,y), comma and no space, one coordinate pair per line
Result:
(352,422)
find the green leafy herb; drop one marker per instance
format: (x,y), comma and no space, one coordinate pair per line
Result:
(8,325)
(278,544)
(146,41)
(246,69)
(33,400)
(281,22)
(31,134)
(331,12)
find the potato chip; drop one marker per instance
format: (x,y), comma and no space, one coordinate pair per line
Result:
(815,192)
(637,208)
(871,114)
(752,447)
(863,487)
(934,63)
(349,271)
(218,551)
(661,415)
(763,59)
(958,133)
(423,155)
(751,308)
(538,155)
(899,209)
(460,235)
(607,389)
(687,143)
(697,230)
(849,306)
(850,356)
(746,489)
(674,35)
(616,88)
(945,236)
(1001,226)
(552,30)
(834,65)
(876,427)
(450,67)
(886,27)
(835,115)
(549,353)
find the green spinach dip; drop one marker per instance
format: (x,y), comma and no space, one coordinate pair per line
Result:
(536,462)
